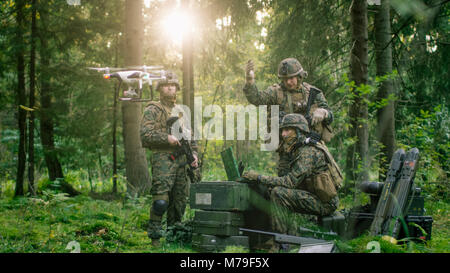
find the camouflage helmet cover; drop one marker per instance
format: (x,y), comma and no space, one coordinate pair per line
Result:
(171,78)
(291,67)
(295,121)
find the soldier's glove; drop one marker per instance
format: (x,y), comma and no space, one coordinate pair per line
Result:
(250,72)
(318,116)
(249,177)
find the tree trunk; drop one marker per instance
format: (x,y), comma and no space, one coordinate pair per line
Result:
(135,159)
(46,116)
(188,68)
(21,98)
(32,100)
(357,154)
(114,142)
(114,130)
(385,115)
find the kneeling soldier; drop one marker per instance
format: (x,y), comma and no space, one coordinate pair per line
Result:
(311,185)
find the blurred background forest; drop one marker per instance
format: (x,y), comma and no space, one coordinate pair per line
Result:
(58,119)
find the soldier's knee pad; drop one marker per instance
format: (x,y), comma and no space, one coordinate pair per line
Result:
(159,207)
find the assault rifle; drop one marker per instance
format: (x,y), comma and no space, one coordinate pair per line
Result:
(307,245)
(313,136)
(184,149)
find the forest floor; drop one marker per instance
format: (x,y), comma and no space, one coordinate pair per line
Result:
(50,222)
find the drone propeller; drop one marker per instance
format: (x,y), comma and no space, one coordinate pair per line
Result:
(106,69)
(145,67)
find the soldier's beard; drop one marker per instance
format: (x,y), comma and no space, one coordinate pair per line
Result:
(291,87)
(170,99)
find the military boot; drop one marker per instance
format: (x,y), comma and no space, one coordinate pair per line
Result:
(154,231)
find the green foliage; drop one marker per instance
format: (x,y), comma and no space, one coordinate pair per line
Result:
(180,232)
(235,249)
(49,222)
(360,245)
(429,132)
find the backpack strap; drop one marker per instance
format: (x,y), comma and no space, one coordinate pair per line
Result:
(289,100)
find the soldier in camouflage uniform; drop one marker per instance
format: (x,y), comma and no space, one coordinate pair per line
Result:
(310,186)
(291,94)
(170,187)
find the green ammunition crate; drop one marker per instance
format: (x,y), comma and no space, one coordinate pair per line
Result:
(218,222)
(222,195)
(211,243)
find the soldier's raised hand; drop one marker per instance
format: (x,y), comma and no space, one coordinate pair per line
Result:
(250,72)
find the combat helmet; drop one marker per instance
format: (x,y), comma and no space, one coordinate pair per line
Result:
(296,121)
(291,67)
(171,78)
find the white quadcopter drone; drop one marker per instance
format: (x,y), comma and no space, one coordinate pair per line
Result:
(134,77)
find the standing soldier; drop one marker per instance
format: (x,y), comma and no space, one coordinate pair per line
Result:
(170,187)
(310,186)
(291,94)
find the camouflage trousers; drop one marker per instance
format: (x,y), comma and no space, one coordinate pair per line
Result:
(287,203)
(169,183)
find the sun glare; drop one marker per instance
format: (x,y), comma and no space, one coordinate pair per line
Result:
(177,24)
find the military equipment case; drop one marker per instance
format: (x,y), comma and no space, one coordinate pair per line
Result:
(231,167)
(258,215)
(359,222)
(335,223)
(211,243)
(424,222)
(224,223)
(223,196)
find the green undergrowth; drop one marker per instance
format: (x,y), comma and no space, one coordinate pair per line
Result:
(52,222)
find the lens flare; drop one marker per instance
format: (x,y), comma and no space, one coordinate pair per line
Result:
(177,24)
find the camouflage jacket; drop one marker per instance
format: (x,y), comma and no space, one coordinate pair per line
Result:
(154,131)
(277,94)
(309,161)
